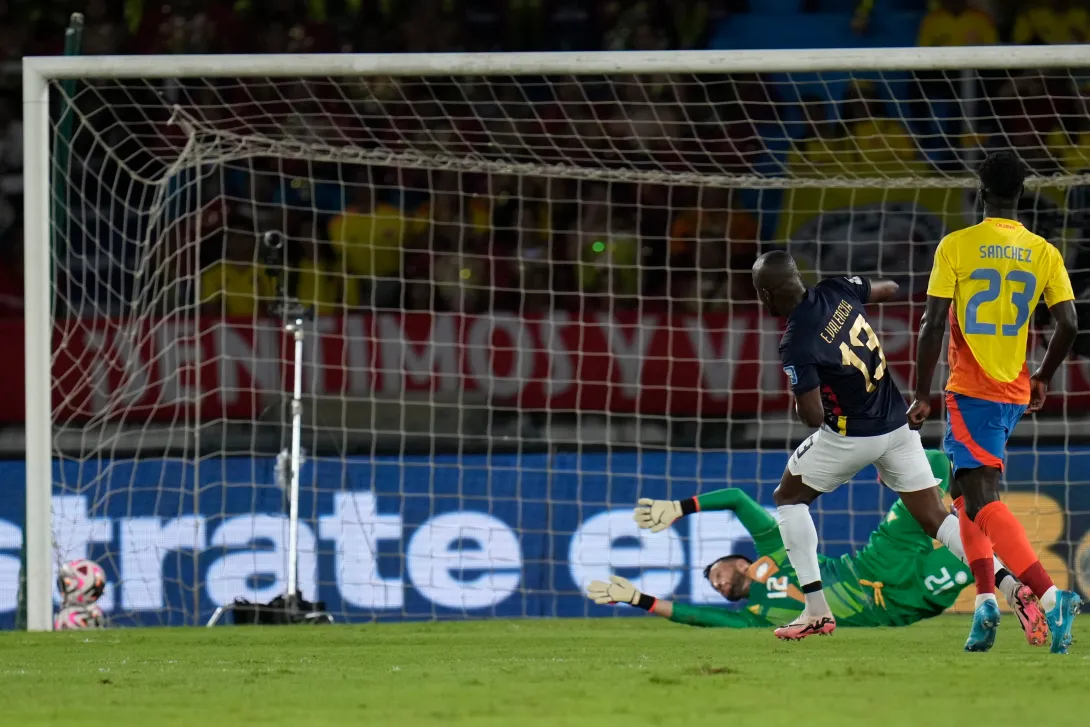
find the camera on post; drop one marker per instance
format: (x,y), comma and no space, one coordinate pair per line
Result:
(291,607)
(272,249)
(274,256)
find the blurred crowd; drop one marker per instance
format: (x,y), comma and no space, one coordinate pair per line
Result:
(395,26)
(361,26)
(472,243)
(402,237)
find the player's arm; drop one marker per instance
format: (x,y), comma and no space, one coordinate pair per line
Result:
(863,289)
(1060,299)
(620,590)
(803,376)
(1059,346)
(929,344)
(940,294)
(658,515)
(707,616)
(883,290)
(809,408)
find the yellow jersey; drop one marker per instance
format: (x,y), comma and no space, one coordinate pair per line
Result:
(995,273)
(942,28)
(1072,152)
(1045,25)
(324,289)
(240,288)
(369,244)
(881,146)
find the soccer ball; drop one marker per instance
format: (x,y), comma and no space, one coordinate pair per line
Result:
(75,618)
(80,582)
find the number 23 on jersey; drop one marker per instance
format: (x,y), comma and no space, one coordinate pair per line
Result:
(1018,288)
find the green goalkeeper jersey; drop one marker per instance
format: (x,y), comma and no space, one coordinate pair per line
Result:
(899,577)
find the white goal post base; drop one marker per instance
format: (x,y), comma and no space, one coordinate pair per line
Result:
(207,146)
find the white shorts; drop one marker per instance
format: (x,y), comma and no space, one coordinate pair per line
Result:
(826,460)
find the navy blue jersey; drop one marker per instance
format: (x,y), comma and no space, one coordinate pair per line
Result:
(829,343)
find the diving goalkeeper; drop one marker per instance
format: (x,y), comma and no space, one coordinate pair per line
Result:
(901,576)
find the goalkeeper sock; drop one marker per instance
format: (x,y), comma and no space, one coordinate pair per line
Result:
(800,539)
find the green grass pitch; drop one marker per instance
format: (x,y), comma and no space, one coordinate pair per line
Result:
(561,672)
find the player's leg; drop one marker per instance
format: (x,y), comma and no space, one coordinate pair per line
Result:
(993,574)
(966,455)
(981,429)
(926,506)
(978,548)
(908,458)
(1058,615)
(820,464)
(1025,605)
(904,468)
(800,539)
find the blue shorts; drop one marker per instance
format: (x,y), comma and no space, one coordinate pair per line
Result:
(977,430)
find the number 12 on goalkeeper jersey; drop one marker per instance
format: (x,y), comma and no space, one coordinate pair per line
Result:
(995,273)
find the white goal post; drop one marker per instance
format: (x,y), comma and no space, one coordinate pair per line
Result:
(41,73)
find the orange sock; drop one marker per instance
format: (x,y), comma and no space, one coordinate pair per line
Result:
(978,550)
(1012,546)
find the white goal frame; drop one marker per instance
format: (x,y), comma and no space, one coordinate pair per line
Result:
(38,72)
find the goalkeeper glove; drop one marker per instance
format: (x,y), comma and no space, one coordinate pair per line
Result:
(619,590)
(657,514)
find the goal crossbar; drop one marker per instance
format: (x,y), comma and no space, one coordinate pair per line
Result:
(569,63)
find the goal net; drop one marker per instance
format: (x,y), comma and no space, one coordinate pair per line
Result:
(530,283)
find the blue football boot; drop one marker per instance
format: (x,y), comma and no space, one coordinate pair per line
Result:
(1061,618)
(985,624)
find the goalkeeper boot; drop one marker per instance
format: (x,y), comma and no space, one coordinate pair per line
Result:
(985,624)
(1061,618)
(807,625)
(1028,610)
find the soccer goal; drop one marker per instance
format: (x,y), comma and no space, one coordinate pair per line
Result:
(529,282)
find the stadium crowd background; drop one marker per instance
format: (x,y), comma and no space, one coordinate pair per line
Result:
(375,237)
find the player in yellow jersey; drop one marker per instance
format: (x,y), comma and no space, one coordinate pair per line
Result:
(989,278)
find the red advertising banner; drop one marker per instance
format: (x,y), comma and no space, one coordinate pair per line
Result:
(713,365)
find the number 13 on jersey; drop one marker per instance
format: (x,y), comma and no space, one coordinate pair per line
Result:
(850,358)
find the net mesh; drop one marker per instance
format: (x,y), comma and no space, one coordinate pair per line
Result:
(532,306)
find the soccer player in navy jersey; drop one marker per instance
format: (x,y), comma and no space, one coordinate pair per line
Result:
(843,389)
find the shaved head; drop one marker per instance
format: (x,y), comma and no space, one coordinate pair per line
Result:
(777,281)
(774,268)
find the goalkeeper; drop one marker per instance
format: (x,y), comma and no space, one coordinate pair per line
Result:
(901,576)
